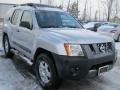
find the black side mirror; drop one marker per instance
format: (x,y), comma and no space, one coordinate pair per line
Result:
(26,25)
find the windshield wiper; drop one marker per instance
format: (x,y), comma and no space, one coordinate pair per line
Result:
(72,26)
(59,26)
(69,26)
(49,26)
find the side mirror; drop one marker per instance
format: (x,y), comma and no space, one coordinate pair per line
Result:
(25,24)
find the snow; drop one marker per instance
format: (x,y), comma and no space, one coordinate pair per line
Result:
(118,48)
(107,81)
(16,75)
(11,78)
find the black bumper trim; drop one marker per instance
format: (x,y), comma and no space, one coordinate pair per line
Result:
(82,65)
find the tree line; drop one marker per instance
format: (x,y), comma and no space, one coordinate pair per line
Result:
(107,9)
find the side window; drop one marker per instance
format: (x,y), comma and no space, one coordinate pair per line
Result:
(15,17)
(26,20)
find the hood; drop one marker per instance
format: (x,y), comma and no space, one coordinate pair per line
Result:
(80,36)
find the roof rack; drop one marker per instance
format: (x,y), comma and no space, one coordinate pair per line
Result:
(37,5)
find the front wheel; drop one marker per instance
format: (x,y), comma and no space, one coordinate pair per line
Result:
(7,47)
(46,73)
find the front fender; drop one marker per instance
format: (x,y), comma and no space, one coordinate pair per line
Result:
(51,44)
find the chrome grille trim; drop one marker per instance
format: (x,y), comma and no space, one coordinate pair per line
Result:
(98,49)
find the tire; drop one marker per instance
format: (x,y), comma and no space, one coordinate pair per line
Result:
(7,47)
(47,78)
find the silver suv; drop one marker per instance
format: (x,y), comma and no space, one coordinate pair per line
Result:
(55,44)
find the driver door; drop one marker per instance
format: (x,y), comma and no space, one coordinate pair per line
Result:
(26,35)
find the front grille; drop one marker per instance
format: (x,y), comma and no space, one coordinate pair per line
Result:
(101,48)
(98,49)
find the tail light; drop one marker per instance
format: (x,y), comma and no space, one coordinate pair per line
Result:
(113,31)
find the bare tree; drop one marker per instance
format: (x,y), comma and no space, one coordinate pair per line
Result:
(90,11)
(50,2)
(117,8)
(68,6)
(73,10)
(99,11)
(61,5)
(77,8)
(40,1)
(96,13)
(85,9)
(108,4)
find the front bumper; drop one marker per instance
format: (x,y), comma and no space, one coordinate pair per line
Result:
(80,67)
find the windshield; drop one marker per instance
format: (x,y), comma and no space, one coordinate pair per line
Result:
(55,19)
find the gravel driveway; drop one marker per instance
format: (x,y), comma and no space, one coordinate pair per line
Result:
(16,75)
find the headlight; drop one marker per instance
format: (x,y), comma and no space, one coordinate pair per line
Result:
(73,50)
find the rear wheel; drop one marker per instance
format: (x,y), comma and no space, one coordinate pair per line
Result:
(7,47)
(46,73)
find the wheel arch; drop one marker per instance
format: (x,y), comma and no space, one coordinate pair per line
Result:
(3,35)
(40,51)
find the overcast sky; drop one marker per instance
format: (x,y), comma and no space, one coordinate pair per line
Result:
(56,2)
(93,4)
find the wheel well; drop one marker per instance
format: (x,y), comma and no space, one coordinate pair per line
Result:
(39,51)
(4,34)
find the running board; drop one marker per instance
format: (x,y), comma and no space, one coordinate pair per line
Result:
(28,61)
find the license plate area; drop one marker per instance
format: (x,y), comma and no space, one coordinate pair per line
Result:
(103,69)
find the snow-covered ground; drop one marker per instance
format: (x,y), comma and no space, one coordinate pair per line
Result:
(13,78)
(16,75)
(118,48)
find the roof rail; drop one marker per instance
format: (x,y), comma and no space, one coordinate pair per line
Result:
(37,5)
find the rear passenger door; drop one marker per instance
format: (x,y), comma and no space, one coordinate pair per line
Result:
(14,20)
(26,34)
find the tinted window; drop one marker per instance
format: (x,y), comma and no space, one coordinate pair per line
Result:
(55,19)
(15,17)
(114,25)
(26,19)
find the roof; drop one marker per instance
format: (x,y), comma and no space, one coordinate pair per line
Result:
(6,4)
(33,6)
(38,5)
